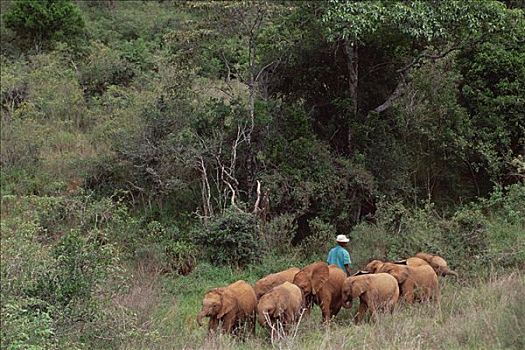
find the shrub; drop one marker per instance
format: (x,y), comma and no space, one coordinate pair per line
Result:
(40,21)
(231,238)
(26,326)
(57,287)
(477,236)
(166,249)
(318,244)
(104,67)
(80,265)
(279,233)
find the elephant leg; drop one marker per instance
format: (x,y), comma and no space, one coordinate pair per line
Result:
(213,324)
(253,319)
(336,307)
(228,323)
(289,320)
(373,308)
(436,295)
(361,312)
(408,293)
(391,305)
(308,305)
(326,308)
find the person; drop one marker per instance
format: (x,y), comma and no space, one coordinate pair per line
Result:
(339,255)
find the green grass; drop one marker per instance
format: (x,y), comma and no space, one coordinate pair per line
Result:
(475,314)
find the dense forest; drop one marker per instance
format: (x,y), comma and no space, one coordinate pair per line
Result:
(152,150)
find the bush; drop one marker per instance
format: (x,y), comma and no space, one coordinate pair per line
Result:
(166,249)
(318,244)
(104,67)
(26,326)
(57,287)
(44,20)
(279,233)
(79,266)
(477,236)
(231,238)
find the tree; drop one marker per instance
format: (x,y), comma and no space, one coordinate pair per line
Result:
(422,31)
(41,21)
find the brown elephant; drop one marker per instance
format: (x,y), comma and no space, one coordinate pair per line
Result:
(283,303)
(321,284)
(438,264)
(415,283)
(376,292)
(412,261)
(266,283)
(374,265)
(233,306)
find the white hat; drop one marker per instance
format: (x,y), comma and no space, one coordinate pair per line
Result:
(342,239)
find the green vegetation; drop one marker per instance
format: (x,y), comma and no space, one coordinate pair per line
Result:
(152,150)
(42,21)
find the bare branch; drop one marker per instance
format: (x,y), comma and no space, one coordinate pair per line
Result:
(404,74)
(264,68)
(398,91)
(256,208)
(233,197)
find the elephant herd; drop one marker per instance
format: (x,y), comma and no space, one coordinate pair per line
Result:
(284,296)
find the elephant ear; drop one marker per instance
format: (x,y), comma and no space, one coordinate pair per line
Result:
(359,286)
(374,266)
(438,262)
(319,277)
(399,272)
(425,256)
(228,304)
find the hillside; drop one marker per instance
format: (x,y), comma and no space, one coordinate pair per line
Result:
(153,150)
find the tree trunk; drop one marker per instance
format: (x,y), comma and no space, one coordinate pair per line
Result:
(352,61)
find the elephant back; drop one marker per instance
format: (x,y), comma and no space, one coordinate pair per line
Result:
(401,273)
(439,264)
(294,295)
(244,294)
(266,283)
(385,283)
(415,262)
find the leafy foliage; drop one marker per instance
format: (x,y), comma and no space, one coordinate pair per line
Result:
(231,239)
(40,21)
(152,139)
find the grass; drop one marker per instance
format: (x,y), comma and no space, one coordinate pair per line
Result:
(475,314)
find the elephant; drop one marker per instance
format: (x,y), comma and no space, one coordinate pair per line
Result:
(378,291)
(438,264)
(233,306)
(321,284)
(282,303)
(266,283)
(412,261)
(373,266)
(415,283)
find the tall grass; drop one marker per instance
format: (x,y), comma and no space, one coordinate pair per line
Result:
(476,314)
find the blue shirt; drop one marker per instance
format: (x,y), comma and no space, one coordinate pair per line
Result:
(339,256)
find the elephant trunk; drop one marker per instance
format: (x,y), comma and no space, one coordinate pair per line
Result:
(200,316)
(448,271)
